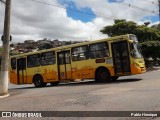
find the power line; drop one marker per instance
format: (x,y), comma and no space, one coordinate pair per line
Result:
(149,1)
(91,14)
(143,9)
(97,13)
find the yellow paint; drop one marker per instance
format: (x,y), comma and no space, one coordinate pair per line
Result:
(137,66)
(79,70)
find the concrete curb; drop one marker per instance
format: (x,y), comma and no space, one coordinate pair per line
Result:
(4,96)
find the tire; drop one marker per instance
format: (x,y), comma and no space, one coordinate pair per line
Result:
(114,78)
(38,81)
(54,83)
(103,75)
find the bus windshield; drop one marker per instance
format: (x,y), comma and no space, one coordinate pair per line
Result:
(134,50)
(133,37)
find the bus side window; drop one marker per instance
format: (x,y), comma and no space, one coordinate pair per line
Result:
(48,58)
(61,59)
(33,60)
(13,63)
(67,57)
(80,53)
(99,50)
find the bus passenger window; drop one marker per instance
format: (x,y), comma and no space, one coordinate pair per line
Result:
(99,50)
(61,59)
(48,58)
(33,60)
(80,53)
(67,57)
(13,63)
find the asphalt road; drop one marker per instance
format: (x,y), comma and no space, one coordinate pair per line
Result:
(131,93)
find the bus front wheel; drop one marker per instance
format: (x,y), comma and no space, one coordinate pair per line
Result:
(103,75)
(38,81)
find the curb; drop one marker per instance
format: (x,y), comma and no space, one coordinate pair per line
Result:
(4,96)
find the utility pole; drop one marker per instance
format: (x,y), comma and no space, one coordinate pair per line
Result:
(5,51)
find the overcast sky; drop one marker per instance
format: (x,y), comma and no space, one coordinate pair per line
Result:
(33,21)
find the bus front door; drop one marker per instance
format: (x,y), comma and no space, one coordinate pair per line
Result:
(21,71)
(121,59)
(64,65)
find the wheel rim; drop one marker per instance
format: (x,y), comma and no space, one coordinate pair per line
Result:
(38,82)
(104,75)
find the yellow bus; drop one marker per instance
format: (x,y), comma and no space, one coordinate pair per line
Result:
(103,60)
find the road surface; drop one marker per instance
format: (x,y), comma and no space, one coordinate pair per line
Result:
(131,93)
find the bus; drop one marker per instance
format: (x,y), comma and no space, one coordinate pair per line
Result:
(103,60)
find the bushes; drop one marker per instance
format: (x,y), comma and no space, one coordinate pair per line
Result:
(151,49)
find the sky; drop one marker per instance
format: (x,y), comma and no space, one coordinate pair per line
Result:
(76,20)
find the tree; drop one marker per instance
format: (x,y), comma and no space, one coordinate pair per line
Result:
(157,26)
(151,49)
(143,32)
(119,28)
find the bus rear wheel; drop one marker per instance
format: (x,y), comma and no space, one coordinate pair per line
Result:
(103,75)
(54,83)
(38,81)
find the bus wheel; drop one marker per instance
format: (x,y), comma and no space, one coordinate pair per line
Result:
(54,83)
(114,78)
(103,75)
(38,81)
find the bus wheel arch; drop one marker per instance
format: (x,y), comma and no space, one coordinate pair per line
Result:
(38,81)
(102,74)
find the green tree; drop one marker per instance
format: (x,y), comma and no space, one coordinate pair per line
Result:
(143,32)
(157,26)
(151,49)
(119,28)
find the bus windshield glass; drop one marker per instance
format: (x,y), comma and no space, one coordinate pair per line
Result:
(133,37)
(134,50)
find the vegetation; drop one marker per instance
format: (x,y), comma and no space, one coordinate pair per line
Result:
(149,37)
(45,46)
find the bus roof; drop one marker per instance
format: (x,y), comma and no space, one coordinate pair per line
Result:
(72,45)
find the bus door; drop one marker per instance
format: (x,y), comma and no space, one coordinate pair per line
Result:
(64,65)
(121,59)
(21,71)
